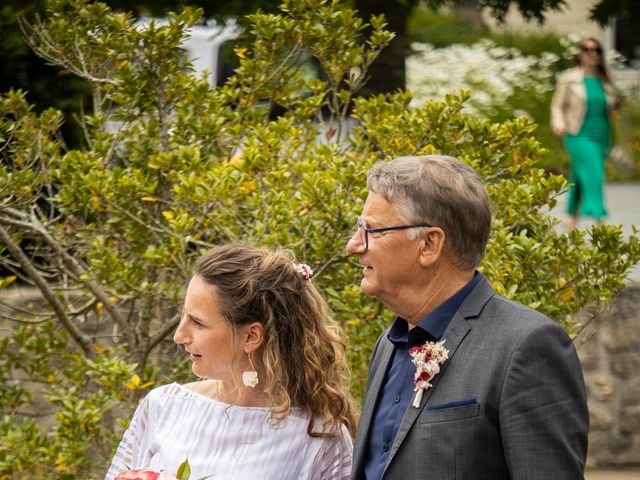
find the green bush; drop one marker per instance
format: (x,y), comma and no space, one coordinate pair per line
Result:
(108,233)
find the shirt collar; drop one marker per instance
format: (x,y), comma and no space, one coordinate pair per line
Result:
(433,325)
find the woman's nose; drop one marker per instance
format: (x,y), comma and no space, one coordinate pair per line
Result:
(181,336)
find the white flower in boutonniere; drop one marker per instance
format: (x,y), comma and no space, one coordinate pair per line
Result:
(428,359)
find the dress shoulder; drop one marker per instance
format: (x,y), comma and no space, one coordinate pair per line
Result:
(230,442)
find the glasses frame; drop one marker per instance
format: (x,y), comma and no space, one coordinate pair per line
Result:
(366,230)
(597,50)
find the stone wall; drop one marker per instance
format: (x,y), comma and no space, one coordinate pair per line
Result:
(611,363)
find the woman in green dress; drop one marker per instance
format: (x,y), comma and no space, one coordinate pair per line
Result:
(582,102)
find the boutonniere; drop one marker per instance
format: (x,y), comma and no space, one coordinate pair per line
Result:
(428,359)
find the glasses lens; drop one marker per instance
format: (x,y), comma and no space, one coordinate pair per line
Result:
(363,233)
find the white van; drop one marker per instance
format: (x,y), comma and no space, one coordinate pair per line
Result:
(207,47)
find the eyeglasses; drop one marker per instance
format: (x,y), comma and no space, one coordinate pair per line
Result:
(365,231)
(597,50)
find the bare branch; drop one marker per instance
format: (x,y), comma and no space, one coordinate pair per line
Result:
(76,269)
(10,306)
(163,332)
(46,48)
(15,250)
(73,265)
(27,322)
(337,254)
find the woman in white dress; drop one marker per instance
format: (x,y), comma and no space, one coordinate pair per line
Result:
(273,399)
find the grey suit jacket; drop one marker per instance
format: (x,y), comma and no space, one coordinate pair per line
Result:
(525,415)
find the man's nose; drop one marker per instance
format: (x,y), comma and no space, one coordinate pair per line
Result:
(355,245)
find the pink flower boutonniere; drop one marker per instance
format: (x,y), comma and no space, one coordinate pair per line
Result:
(428,359)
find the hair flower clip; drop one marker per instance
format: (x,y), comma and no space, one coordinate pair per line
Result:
(304,270)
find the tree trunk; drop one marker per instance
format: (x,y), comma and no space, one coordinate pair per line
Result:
(388,71)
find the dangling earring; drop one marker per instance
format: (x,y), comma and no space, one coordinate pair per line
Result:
(250,377)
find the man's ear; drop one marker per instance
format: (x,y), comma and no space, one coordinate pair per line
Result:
(252,336)
(432,242)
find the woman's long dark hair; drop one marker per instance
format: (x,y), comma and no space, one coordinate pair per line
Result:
(603,73)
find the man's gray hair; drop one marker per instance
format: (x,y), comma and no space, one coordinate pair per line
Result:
(441,191)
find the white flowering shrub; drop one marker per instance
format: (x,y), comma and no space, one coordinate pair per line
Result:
(493,73)
(504,83)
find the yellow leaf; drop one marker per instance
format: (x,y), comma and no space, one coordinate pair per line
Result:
(241,52)
(428,149)
(562,282)
(149,199)
(60,465)
(6,281)
(133,383)
(95,204)
(303,211)
(567,295)
(99,308)
(236,159)
(97,348)
(168,215)
(249,186)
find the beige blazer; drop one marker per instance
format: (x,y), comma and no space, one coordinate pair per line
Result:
(569,102)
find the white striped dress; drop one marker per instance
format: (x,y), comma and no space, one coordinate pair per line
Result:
(227,442)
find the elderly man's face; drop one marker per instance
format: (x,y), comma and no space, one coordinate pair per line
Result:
(391,261)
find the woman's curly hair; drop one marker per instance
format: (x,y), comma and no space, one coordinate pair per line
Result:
(302,360)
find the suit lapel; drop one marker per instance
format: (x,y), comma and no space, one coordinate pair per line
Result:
(454,335)
(381,364)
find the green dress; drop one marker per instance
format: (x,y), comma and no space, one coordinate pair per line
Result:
(587,153)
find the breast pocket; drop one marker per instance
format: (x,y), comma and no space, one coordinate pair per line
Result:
(451,414)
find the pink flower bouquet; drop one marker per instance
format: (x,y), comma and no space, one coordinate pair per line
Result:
(145,474)
(184,472)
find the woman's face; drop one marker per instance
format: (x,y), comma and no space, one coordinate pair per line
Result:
(205,334)
(590,54)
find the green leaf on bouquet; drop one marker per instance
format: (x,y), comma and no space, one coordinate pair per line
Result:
(184,471)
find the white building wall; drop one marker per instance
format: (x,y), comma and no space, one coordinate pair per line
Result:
(574,18)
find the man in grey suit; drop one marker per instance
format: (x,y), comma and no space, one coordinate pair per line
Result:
(509,401)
